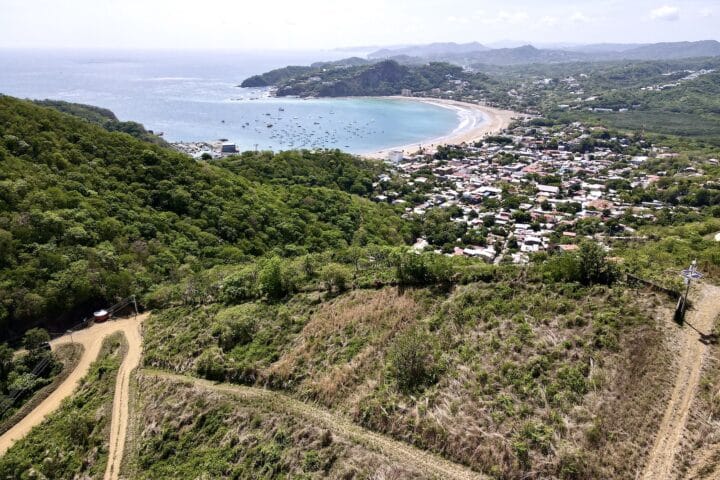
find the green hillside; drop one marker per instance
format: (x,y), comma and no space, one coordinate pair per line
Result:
(88,215)
(381,78)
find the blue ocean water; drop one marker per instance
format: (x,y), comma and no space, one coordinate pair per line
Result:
(194,96)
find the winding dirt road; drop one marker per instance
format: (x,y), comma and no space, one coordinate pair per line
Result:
(91,339)
(396,450)
(706,309)
(121,402)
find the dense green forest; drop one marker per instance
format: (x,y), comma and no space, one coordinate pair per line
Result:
(88,215)
(103,117)
(382,78)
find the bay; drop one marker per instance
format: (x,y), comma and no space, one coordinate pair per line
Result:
(194,96)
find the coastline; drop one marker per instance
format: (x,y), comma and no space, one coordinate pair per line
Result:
(476,122)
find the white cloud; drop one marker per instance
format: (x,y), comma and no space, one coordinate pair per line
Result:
(514,17)
(578,17)
(666,12)
(504,17)
(549,21)
(706,12)
(454,19)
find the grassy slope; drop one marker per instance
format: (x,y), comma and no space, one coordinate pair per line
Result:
(554,379)
(671,249)
(73,441)
(183,432)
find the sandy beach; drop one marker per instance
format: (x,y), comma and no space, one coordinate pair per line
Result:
(476,121)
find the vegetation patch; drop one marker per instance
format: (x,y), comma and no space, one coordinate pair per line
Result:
(183,431)
(68,357)
(73,441)
(25,374)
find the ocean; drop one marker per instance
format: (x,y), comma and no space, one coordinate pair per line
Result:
(194,96)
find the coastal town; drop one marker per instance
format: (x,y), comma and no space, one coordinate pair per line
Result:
(531,189)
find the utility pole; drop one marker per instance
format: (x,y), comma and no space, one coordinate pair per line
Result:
(689,275)
(135,305)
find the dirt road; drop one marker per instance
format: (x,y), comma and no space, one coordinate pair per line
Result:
(120,412)
(91,339)
(702,317)
(396,450)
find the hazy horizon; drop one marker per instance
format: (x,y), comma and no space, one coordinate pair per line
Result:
(314,25)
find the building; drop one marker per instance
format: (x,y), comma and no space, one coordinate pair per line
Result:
(228,148)
(395,156)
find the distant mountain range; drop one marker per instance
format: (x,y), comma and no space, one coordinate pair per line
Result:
(467,54)
(431,50)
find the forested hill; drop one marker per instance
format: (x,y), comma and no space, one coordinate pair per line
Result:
(382,78)
(88,215)
(103,117)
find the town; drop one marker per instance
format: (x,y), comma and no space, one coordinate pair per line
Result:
(532,189)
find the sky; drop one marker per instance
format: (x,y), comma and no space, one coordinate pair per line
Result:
(328,24)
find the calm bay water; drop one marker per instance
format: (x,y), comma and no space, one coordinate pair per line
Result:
(194,97)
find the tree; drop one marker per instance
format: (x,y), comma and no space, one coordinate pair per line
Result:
(593,265)
(276,281)
(422,269)
(335,276)
(35,338)
(6,358)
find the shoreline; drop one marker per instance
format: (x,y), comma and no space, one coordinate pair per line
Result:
(476,122)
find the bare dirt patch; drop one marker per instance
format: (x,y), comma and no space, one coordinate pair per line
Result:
(700,321)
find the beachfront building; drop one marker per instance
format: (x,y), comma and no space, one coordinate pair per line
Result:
(228,148)
(395,156)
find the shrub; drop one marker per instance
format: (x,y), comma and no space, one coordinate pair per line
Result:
(572,465)
(276,279)
(335,277)
(423,269)
(413,361)
(311,462)
(240,286)
(211,364)
(236,327)
(34,338)
(589,266)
